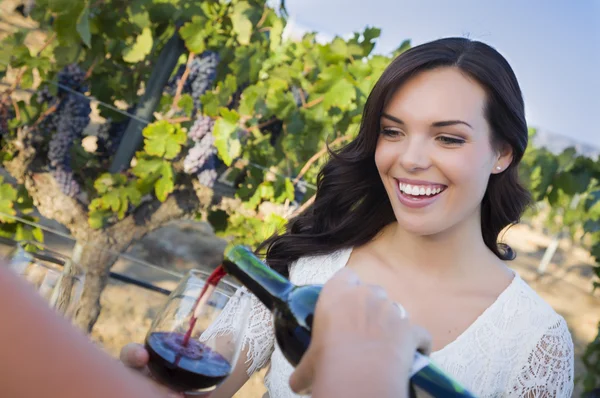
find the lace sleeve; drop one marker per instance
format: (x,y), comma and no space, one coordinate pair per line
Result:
(258,336)
(549,368)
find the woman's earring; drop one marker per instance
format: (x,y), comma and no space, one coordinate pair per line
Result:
(498,168)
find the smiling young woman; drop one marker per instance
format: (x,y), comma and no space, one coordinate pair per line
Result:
(415,204)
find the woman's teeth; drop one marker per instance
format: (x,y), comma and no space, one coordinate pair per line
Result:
(420,190)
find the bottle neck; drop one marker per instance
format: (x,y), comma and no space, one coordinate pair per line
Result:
(266,284)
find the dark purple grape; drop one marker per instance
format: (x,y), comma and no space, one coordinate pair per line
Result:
(73,77)
(201,77)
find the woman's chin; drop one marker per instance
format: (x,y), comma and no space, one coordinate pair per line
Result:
(420,227)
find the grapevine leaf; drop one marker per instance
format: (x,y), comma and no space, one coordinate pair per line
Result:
(24,202)
(341,94)
(7,197)
(226,140)
(275,34)
(146,166)
(165,185)
(164,139)
(139,16)
(61,6)
(193,34)
(83,26)
(405,45)
(242,26)
(186,103)
(140,49)
(97,218)
(103,183)
(38,234)
(27,79)
(123,207)
(111,200)
(133,194)
(249,99)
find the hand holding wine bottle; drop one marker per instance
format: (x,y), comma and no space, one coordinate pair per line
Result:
(362,343)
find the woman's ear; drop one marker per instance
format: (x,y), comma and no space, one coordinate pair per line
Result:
(504,159)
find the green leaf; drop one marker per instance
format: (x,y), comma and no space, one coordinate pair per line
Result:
(164,139)
(249,98)
(111,201)
(140,49)
(340,94)
(61,6)
(226,140)
(193,34)
(230,115)
(97,219)
(38,234)
(275,34)
(186,102)
(146,166)
(103,183)
(7,197)
(405,45)
(83,26)
(27,79)
(139,16)
(165,185)
(240,20)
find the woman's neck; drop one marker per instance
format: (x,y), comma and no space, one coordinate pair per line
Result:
(457,251)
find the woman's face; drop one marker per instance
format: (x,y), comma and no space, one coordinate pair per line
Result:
(434,152)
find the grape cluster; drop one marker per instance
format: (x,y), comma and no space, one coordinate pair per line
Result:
(202,159)
(64,178)
(202,74)
(73,77)
(7,113)
(199,154)
(44,95)
(66,124)
(201,127)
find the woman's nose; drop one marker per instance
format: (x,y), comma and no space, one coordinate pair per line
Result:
(416,155)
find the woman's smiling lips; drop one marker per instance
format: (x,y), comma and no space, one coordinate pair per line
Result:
(417,193)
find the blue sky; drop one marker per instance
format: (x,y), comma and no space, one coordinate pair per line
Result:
(553,45)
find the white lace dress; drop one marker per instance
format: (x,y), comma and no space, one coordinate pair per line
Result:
(518,347)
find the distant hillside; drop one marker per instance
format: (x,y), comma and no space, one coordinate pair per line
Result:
(556,143)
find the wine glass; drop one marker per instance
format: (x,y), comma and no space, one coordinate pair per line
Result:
(188,352)
(53,275)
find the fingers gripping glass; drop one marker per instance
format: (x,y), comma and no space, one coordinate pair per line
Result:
(182,356)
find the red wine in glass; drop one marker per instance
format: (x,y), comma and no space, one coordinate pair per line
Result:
(182,357)
(194,366)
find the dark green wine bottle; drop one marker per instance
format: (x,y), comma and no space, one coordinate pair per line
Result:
(293,309)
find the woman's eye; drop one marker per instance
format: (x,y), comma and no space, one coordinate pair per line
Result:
(390,132)
(451,140)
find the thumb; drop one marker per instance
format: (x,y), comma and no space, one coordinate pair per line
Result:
(422,339)
(134,356)
(302,378)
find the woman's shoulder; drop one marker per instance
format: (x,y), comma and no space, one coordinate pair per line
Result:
(318,268)
(528,304)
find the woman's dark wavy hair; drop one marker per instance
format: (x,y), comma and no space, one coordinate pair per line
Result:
(351,205)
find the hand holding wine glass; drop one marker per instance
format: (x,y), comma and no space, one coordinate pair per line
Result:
(180,352)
